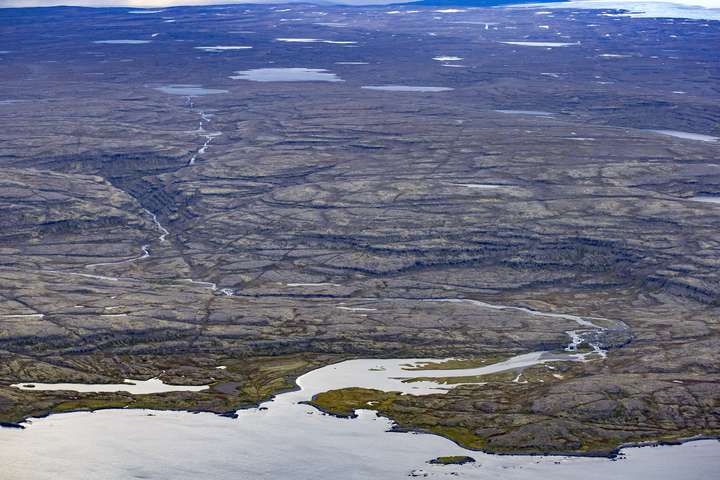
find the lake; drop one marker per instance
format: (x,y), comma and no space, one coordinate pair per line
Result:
(287,439)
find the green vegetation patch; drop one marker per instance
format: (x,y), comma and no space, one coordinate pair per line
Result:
(458,363)
(449,380)
(88,404)
(345,401)
(452,460)
(463,436)
(245,382)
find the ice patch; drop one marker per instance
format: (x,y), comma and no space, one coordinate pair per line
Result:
(686,135)
(542,44)
(705,198)
(538,113)
(122,42)
(358,309)
(314,40)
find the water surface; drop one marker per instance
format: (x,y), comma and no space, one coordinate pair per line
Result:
(488,186)
(122,42)
(223,48)
(407,88)
(294,74)
(542,44)
(526,112)
(189,90)
(706,198)
(314,40)
(686,135)
(135,387)
(289,440)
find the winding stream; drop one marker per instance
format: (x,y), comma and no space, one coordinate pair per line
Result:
(208,136)
(145,248)
(205,118)
(285,438)
(592,334)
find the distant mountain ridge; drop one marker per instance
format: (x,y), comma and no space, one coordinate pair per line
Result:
(475,3)
(354,3)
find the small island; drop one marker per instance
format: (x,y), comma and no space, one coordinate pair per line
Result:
(452,460)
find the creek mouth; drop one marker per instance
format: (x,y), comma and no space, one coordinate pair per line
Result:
(277,439)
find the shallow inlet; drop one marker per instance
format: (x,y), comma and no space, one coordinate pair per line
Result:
(135,387)
(288,439)
(391,375)
(285,439)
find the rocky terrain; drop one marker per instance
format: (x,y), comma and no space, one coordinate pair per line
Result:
(153,228)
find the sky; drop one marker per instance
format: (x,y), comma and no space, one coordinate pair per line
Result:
(653,7)
(169,3)
(693,9)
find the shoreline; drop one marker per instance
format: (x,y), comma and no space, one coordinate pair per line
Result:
(610,453)
(613,455)
(19,424)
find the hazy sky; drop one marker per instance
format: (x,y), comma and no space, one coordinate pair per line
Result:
(119,3)
(170,3)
